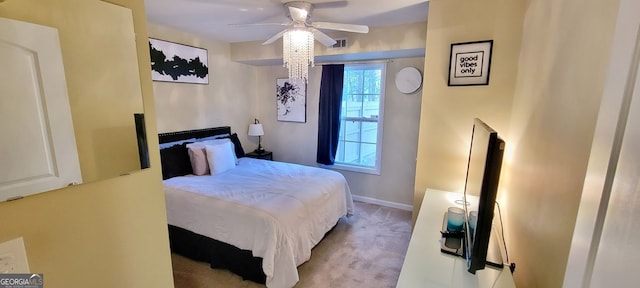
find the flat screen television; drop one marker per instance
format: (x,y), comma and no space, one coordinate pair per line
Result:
(483,174)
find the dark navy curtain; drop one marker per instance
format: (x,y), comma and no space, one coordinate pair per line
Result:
(329,112)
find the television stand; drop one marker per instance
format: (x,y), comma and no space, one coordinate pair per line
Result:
(426,266)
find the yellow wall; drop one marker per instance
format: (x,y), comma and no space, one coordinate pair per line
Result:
(110,233)
(447,113)
(564,58)
(100,133)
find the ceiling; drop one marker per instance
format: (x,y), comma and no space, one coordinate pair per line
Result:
(213,18)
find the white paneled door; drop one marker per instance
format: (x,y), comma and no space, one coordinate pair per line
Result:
(37,144)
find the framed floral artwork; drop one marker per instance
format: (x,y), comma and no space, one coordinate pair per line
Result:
(291,99)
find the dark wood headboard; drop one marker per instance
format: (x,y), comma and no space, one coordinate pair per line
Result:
(188,134)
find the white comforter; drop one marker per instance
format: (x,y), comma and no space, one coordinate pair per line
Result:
(277,210)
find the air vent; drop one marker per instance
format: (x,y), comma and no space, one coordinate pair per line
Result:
(340,43)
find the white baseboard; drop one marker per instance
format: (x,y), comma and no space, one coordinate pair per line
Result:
(382,203)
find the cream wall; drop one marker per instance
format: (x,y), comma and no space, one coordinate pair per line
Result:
(110,233)
(297,142)
(448,112)
(227,100)
(564,58)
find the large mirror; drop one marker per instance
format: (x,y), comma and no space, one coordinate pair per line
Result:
(100,69)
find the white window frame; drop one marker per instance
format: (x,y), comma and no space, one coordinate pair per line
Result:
(377,168)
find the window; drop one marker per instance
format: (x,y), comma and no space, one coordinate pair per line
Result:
(360,140)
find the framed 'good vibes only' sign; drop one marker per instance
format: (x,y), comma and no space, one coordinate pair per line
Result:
(470,63)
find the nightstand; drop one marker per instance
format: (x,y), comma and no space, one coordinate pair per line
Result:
(266,155)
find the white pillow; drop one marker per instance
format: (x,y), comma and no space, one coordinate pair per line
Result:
(220,157)
(220,141)
(198,158)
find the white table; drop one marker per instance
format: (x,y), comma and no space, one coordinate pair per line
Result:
(426,266)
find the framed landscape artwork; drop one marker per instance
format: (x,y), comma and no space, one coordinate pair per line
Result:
(291,98)
(173,62)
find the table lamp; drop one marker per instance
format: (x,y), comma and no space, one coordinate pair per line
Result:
(255,129)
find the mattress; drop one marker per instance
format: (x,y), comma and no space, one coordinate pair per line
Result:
(279,211)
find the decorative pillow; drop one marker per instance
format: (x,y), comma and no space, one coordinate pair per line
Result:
(198,158)
(220,157)
(175,161)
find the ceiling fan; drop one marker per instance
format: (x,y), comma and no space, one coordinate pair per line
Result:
(299,36)
(299,12)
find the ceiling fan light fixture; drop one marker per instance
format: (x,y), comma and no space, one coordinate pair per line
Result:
(297,52)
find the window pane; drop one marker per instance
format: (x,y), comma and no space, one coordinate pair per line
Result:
(352,131)
(368,154)
(353,81)
(369,132)
(340,153)
(351,152)
(361,154)
(371,81)
(353,108)
(371,109)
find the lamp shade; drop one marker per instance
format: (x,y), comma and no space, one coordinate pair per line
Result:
(255,130)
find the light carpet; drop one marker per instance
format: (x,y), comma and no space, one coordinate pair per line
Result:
(364,250)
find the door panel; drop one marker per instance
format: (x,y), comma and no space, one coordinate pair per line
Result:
(38,150)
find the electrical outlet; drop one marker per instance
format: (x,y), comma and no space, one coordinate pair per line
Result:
(13,257)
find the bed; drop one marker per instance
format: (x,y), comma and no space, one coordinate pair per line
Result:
(259,219)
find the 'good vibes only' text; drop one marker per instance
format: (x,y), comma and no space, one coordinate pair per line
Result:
(468,65)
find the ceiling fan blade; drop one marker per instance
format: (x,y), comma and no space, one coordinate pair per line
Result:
(330,4)
(274,37)
(260,24)
(322,38)
(298,15)
(341,27)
